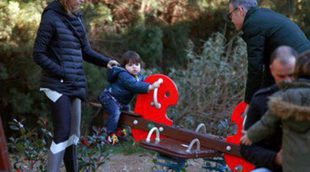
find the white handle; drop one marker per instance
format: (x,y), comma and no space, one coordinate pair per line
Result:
(189,149)
(155,101)
(201,125)
(148,138)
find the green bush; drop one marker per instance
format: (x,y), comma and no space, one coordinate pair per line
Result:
(147,41)
(19,75)
(30,146)
(175,42)
(212,84)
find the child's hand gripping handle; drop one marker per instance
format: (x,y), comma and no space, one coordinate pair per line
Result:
(156,85)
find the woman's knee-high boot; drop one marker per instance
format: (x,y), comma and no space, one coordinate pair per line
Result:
(70,159)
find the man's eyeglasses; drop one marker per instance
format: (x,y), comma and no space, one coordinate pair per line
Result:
(228,16)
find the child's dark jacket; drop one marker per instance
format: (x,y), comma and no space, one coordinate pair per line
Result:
(124,86)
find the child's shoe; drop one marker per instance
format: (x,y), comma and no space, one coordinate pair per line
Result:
(112,139)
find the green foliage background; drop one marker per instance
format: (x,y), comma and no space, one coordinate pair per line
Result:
(186,39)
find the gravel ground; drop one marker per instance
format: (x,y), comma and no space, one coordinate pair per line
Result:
(142,163)
(138,162)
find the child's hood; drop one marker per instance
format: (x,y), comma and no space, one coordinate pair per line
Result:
(293,101)
(114,72)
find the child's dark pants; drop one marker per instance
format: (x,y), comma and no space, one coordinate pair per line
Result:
(114,108)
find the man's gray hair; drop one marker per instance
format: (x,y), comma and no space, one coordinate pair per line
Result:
(244,3)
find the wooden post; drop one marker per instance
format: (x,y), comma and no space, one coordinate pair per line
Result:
(4,155)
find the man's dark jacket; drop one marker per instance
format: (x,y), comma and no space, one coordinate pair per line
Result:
(263,153)
(264,30)
(60,47)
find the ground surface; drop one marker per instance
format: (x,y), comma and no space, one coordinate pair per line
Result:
(142,163)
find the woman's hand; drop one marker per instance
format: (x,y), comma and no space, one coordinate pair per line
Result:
(112,63)
(278,158)
(245,140)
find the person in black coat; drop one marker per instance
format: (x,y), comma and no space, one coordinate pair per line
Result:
(265,154)
(60,48)
(263,31)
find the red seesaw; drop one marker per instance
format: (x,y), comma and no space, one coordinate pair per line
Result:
(150,116)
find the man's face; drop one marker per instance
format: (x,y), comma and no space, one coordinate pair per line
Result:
(282,72)
(237,16)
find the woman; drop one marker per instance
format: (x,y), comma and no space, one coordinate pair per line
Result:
(60,47)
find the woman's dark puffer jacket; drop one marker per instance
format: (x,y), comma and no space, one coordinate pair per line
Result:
(60,47)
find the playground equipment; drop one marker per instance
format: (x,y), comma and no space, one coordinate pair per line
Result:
(173,143)
(153,130)
(4,156)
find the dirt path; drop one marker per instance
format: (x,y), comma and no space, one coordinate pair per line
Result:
(142,163)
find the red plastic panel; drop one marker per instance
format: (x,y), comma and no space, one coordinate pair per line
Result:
(167,96)
(237,163)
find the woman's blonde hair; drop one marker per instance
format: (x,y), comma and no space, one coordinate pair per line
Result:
(302,68)
(68,5)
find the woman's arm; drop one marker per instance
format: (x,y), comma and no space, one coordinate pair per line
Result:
(91,55)
(94,57)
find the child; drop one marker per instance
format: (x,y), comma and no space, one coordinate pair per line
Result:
(291,107)
(125,82)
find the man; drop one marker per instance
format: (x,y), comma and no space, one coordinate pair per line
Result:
(263,31)
(264,154)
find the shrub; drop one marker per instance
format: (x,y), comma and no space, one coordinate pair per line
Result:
(19,75)
(29,147)
(211,85)
(175,42)
(147,41)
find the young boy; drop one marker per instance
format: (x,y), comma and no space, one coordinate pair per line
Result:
(125,82)
(291,107)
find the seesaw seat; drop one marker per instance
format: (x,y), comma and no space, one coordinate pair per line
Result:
(176,148)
